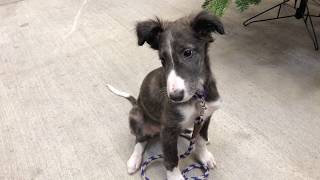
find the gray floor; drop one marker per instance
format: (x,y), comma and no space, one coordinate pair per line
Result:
(58,121)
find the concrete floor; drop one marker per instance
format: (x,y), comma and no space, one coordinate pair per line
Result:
(58,121)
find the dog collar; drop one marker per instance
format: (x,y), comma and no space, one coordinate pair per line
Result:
(200,94)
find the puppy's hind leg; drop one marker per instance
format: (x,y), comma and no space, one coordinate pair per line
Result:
(136,122)
(135,159)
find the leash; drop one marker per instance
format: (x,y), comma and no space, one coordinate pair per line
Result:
(196,129)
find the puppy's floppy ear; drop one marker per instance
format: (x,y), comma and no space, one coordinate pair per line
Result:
(149,31)
(204,23)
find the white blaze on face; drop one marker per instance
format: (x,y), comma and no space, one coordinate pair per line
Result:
(175,82)
(169,41)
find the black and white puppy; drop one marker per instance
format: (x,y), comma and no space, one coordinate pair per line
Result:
(166,105)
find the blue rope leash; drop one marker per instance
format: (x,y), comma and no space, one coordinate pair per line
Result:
(189,168)
(184,172)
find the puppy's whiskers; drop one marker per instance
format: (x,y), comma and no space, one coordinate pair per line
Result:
(163,92)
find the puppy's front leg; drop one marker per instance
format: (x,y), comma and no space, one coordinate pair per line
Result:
(201,151)
(169,139)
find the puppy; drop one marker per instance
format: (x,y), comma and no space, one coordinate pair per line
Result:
(166,105)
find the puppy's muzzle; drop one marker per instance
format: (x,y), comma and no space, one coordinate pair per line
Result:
(177,95)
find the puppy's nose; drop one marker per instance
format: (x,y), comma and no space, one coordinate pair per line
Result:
(176,95)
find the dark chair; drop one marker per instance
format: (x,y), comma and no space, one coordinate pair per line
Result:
(301,12)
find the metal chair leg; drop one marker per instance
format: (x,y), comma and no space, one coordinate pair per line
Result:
(248,21)
(311,32)
(305,14)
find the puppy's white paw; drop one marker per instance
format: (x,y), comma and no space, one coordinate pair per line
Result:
(206,158)
(134,163)
(135,159)
(175,174)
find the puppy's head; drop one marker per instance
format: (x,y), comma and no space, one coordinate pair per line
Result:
(182,47)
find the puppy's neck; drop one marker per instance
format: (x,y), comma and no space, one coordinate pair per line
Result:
(209,86)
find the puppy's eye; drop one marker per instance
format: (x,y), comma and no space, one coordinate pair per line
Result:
(187,53)
(163,62)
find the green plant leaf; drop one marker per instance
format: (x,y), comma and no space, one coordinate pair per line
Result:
(218,7)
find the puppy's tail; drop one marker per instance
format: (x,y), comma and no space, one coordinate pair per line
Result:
(115,91)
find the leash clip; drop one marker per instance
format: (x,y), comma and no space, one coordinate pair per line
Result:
(201,106)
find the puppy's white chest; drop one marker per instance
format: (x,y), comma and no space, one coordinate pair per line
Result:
(190,112)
